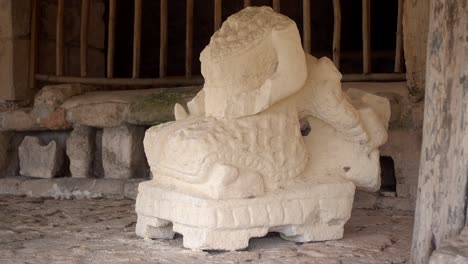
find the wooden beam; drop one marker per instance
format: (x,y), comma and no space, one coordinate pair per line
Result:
(218,12)
(84,38)
(189,39)
(374,77)
(277,6)
(111,39)
(399,38)
(33,43)
(306,25)
(443,174)
(196,80)
(336,33)
(168,81)
(366,48)
(59,46)
(136,38)
(163,40)
(247,3)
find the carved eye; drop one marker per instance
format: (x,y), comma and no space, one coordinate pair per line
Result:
(305,127)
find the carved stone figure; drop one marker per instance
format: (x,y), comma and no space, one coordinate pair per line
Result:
(271,143)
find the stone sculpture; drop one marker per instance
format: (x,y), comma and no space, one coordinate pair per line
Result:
(271,143)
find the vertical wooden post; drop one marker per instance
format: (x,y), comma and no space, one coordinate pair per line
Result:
(443,174)
(136,39)
(59,38)
(189,39)
(33,43)
(277,6)
(366,48)
(399,37)
(336,33)
(111,39)
(247,3)
(306,25)
(217,14)
(163,40)
(84,38)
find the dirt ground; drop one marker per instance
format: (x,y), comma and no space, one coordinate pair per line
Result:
(44,231)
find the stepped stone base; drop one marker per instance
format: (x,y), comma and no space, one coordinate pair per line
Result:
(312,211)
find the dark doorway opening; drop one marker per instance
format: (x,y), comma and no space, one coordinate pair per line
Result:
(387,174)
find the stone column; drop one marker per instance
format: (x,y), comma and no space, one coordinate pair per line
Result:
(80,150)
(14,49)
(443,174)
(123,155)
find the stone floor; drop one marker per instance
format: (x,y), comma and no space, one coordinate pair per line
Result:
(40,231)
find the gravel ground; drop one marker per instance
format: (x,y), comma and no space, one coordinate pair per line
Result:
(43,231)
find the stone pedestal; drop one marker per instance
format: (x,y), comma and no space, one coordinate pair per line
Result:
(123,156)
(315,211)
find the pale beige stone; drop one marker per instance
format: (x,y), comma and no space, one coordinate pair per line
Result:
(122,152)
(39,160)
(80,150)
(271,143)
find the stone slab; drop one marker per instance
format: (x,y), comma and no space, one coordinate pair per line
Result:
(68,188)
(46,113)
(315,211)
(117,108)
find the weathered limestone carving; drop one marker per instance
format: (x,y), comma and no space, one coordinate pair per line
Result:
(271,143)
(38,160)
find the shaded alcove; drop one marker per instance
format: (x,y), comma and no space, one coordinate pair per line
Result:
(383,33)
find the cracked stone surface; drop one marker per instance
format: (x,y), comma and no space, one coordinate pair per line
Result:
(40,231)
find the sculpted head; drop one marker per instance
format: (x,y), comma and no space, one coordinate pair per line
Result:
(247,52)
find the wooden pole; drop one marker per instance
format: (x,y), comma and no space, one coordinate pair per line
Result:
(59,38)
(111,39)
(172,81)
(277,6)
(217,14)
(196,80)
(189,39)
(336,33)
(33,43)
(84,38)
(399,37)
(442,184)
(366,49)
(163,40)
(137,38)
(306,25)
(247,3)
